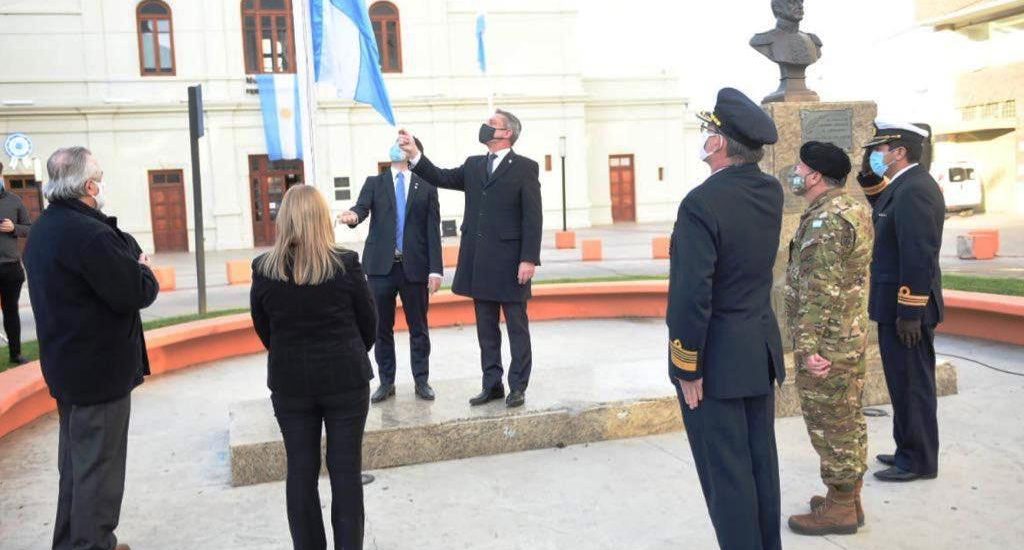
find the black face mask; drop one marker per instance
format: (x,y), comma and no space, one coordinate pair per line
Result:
(486,133)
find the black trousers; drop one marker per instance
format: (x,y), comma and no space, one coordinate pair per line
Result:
(733,445)
(488,333)
(415,301)
(301,420)
(910,377)
(12,277)
(92,452)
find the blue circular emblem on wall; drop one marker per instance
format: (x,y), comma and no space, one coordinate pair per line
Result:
(18,145)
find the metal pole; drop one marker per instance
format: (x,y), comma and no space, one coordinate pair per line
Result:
(195,111)
(564,228)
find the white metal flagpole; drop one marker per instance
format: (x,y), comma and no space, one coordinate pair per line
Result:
(306,74)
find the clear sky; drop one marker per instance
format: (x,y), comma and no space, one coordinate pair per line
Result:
(872,49)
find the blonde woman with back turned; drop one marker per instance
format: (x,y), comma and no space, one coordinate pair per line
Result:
(313,311)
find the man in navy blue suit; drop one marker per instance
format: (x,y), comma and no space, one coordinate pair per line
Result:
(402,257)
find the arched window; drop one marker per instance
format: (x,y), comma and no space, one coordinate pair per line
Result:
(267,39)
(384,16)
(156,39)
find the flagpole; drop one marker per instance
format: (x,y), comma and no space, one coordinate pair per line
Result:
(306,72)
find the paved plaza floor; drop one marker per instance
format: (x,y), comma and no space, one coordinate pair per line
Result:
(639,493)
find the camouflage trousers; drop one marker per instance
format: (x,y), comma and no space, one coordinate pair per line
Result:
(835,421)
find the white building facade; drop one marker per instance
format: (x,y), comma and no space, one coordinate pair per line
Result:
(112,75)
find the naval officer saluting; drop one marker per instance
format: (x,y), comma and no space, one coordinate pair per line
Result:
(906,291)
(725,349)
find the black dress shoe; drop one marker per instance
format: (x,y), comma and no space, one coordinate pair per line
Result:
(888,460)
(424,391)
(383,392)
(898,474)
(18,360)
(488,395)
(516,398)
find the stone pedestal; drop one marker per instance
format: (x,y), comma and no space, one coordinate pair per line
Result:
(848,125)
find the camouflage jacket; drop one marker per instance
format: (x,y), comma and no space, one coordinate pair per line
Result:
(827,278)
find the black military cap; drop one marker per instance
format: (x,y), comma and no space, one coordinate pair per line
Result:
(741,119)
(826,158)
(892,131)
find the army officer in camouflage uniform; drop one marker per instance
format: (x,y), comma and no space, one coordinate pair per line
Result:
(826,310)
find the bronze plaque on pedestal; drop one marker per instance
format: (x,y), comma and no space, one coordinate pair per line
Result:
(834,126)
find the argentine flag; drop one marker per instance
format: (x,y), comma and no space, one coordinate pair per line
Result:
(345,53)
(481,50)
(279,101)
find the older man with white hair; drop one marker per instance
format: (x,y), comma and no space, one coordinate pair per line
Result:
(87,281)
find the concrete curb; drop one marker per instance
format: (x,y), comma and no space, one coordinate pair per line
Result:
(24,397)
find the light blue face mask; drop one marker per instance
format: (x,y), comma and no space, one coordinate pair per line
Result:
(396,153)
(877,162)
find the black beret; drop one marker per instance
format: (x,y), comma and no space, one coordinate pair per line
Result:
(741,119)
(826,158)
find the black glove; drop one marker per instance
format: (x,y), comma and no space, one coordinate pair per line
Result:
(909,331)
(867,178)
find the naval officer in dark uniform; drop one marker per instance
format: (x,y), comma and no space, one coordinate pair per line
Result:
(906,291)
(725,350)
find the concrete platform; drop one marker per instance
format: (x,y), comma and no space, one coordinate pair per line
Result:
(563,407)
(636,493)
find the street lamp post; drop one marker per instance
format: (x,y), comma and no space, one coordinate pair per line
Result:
(561,153)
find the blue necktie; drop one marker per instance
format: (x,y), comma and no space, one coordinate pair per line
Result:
(400,215)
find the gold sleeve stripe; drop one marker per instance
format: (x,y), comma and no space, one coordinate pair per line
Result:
(682,358)
(876,189)
(912,300)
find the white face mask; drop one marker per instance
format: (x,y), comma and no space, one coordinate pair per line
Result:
(704,153)
(98,197)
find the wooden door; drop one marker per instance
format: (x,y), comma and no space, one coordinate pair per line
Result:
(31,194)
(167,210)
(268,182)
(622,188)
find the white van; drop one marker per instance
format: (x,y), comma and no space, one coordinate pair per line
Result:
(961,186)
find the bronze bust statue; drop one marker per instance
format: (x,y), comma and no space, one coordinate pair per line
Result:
(791,49)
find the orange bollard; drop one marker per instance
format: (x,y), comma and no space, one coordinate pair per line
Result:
(565,239)
(239,272)
(166,278)
(592,250)
(659,248)
(984,245)
(993,233)
(450,255)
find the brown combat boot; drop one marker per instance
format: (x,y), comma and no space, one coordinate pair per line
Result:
(838,516)
(817,501)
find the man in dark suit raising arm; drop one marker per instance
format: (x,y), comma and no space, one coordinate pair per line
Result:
(501,232)
(402,257)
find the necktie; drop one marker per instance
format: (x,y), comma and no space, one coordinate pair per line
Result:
(400,215)
(490,164)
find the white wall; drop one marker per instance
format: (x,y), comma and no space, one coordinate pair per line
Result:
(77,63)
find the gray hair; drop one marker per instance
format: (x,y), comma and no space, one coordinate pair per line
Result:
(69,169)
(739,152)
(513,124)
